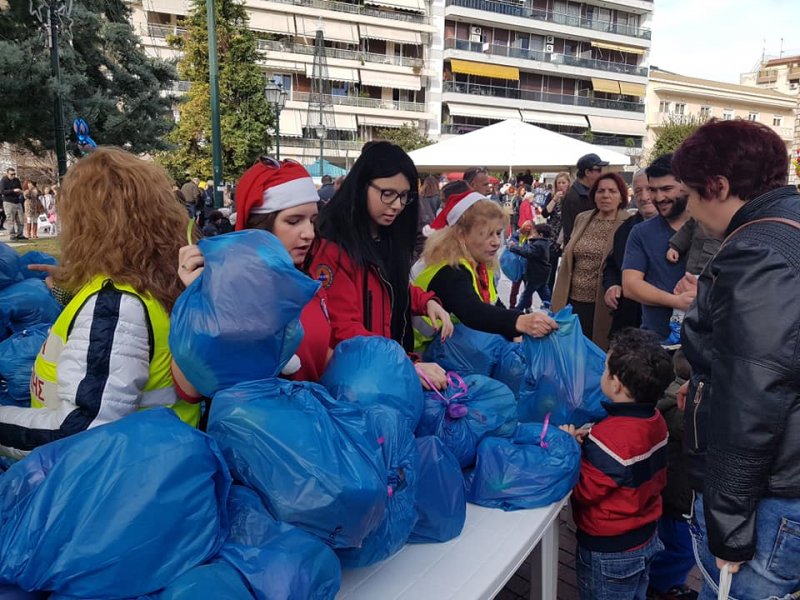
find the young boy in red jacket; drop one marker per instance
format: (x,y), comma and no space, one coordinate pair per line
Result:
(617,502)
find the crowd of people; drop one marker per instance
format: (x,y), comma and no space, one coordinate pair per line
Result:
(702,261)
(22,205)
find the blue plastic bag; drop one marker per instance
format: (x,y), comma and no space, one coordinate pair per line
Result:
(513,265)
(240,320)
(510,367)
(279,440)
(26,304)
(399,453)
(12,592)
(375,370)
(564,370)
(214,580)
(525,471)
(441,501)
(81,516)
(468,351)
(279,561)
(35,257)
(17,355)
(9,266)
(469,410)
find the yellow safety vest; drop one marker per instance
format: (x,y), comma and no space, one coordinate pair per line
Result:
(423,330)
(160,386)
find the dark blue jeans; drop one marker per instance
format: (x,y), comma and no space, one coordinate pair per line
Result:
(671,566)
(774,571)
(615,575)
(526,298)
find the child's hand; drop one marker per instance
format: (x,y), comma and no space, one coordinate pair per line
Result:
(673,256)
(578,434)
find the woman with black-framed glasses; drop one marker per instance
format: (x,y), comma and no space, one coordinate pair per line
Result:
(363,256)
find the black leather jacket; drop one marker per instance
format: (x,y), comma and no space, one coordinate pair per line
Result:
(742,338)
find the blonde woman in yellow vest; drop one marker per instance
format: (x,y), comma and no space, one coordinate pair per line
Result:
(107,354)
(461,259)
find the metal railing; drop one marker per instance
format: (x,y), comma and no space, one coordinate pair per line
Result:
(546,57)
(358,9)
(162,31)
(363,57)
(326,144)
(363,102)
(535,96)
(516,9)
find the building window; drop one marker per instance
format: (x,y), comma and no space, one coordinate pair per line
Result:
(753,116)
(705,112)
(285,81)
(777,121)
(663,106)
(727,114)
(680,108)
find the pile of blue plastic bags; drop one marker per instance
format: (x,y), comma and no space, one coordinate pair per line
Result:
(293,481)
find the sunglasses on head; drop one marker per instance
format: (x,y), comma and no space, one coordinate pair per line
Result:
(273,163)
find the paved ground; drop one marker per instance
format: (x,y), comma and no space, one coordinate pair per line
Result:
(518,587)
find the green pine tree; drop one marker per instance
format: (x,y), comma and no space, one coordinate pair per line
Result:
(106,79)
(407,137)
(246,116)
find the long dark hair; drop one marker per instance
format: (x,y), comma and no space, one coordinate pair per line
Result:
(346,222)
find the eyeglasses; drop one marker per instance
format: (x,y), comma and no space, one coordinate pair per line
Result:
(268,161)
(389,196)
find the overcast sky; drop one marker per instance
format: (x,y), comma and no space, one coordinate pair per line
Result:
(719,39)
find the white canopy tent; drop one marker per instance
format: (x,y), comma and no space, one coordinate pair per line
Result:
(509,144)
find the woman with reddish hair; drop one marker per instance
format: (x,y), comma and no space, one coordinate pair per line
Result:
(580,281)
(742,339)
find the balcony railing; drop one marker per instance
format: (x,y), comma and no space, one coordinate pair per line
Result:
(533,96)
(515,9)
(327,144)
(362,102)
(358,9)
(370,57)
(162,31)
(552,58)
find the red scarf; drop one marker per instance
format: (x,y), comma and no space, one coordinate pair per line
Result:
(483,283)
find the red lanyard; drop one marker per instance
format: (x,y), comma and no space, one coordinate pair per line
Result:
(483,283)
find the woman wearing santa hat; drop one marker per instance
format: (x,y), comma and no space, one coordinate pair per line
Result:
(462,259)
(363,259)
(279,197)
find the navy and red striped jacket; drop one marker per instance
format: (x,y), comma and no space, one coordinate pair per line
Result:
(623,470)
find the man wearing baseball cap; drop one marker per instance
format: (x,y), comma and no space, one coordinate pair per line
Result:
(576,200)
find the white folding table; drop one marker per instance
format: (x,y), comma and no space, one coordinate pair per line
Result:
(476,565)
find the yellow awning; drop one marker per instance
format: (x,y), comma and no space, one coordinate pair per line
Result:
(468,67)
(605,85)
(618,48)
(631,89)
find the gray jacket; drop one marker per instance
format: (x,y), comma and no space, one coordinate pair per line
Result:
(693,243)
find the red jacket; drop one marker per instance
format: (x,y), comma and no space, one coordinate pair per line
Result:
(623,470)
(315,347)
(525,213)
(359,300)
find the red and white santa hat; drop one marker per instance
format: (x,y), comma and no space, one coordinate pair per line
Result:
(270,186)
(454,208)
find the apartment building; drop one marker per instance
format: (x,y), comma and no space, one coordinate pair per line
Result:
(781,75)
(377,65)
(578,68)
(671,96)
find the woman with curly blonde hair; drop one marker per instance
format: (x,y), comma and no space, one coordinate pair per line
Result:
(107,354)
(461,259)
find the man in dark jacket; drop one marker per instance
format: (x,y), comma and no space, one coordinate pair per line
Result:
(576,200)
(742,339)
(325,192)
(536,251)
(626,312)
(191,192)
(13,202)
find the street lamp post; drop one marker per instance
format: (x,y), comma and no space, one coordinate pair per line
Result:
(213,80)
(321,130)
(276,96)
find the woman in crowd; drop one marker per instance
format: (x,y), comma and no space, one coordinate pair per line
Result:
(741,338)
(33,208)
(429,204)
(461,259)
(279,197)
(579,280)
(107,354)
(363,258)
(552,212)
